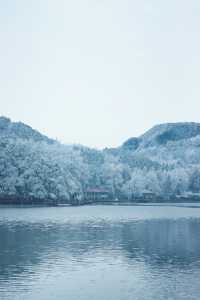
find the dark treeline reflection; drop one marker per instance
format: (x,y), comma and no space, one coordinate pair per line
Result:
(25,245)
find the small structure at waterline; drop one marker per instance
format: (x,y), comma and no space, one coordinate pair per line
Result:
(96,195)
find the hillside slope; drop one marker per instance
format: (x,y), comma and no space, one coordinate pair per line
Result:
(163,161)
(19,130)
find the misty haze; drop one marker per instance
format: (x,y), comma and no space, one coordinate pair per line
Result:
(99,150)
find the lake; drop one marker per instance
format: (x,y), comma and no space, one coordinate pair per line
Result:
(100,253)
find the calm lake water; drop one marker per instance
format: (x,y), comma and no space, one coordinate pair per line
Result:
(100,253)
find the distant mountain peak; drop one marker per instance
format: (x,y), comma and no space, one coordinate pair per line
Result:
(9,129)
(162,133)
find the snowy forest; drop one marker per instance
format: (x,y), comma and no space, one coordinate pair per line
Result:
(165,161)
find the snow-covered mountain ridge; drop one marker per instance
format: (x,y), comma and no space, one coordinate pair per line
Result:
(164,133)
(164,160)
(20,130)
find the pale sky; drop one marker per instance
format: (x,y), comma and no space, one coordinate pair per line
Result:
(97,72)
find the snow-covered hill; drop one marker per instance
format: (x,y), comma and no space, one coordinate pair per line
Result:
(164,160)
(20,130)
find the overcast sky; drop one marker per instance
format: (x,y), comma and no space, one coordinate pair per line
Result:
(97,72)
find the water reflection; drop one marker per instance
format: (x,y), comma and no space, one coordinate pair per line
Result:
(156,248)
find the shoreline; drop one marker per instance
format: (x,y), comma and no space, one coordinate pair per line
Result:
(164,204)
